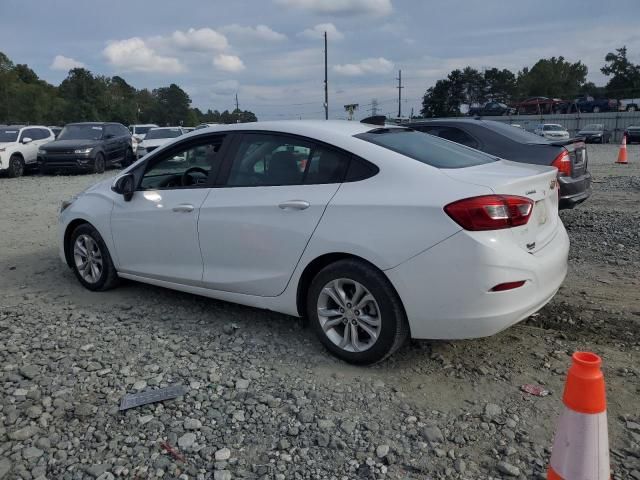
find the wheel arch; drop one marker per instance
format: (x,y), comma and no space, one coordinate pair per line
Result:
(317,264)
(67,237)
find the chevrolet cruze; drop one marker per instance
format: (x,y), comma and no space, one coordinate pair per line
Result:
(374,234)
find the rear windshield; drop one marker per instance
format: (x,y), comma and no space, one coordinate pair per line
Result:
(142,130)
(9,134)
(516,134)
(554,128)
(81,132)
(163,133)
(425,148)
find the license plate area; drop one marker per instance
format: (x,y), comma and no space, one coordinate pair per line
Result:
(540,212)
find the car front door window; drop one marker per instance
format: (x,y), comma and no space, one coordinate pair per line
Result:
(183,168)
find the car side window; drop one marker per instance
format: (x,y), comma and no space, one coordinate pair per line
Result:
(264,159)
(123,131)
(186,166)
(458,136)
(29,133)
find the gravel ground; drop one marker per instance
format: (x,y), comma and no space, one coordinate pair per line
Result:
(266,401)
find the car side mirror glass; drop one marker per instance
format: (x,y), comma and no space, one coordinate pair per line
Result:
(26,140)
(125,185)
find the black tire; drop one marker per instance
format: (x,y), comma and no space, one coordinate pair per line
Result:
(16,166)
(98,164)
(128,158)
(108,277)
(393,329)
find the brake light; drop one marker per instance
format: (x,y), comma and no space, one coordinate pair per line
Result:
(490,212)
(563,164)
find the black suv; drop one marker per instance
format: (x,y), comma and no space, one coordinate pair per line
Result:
(515,144)
(87,146)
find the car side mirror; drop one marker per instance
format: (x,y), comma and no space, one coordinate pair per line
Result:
(26,140)
(125,185)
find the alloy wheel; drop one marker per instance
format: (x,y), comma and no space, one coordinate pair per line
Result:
(349,315)
(88,258)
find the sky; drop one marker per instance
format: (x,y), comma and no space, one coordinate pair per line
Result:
(270,52)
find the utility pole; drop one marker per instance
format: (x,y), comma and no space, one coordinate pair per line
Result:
(400,87)
(374,107)
(326,81)
(237,106)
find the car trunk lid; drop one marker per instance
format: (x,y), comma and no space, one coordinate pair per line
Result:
(577,153)
(536,182)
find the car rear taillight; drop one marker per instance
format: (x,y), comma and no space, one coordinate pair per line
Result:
(563,164)
(490,212)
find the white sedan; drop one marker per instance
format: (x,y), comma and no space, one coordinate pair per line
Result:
(374,234)
(552,131)
(157,137)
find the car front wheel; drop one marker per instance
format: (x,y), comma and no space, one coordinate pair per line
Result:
(356,313)
(90,259)
(98,164)
(16,167)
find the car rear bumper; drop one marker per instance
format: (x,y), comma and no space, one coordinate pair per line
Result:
(574,191)
(66,162)
(446,290)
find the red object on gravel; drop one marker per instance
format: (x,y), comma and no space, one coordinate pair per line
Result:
(536,390)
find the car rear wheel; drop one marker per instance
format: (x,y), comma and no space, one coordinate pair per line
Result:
(98,164)
(90,258)
(356,313)
(16,166)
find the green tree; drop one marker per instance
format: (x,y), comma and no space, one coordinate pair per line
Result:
(552,77)
(437,101)
(85,96)
(500,84)
(172,105)
(625,76)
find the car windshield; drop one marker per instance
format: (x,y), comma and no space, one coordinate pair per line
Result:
(9,134)
(594,126)
(428,149)
(142,130)
(81,132)
(155,133)
(554,128)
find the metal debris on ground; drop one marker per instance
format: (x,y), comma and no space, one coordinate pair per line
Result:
(152,396)
(172,451)
(536,390)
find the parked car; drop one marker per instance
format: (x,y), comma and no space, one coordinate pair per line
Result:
(491,108)
(552,131)
(504,141)
(19,147)
(595,133)
(157,137)
(632,133)
(188,129)
(56,130)
(544,106)
(138,132)
(207,125)
(88,146)
(629,104)
(461,245)
(589,104)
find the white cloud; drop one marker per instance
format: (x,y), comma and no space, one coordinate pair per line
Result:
(317,32)
(203,39)
(341,7)
(228,63)
(60,62)
(368,65)
(257,33)
(133,54)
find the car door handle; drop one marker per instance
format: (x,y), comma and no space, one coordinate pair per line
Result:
(294,205)
(184,208)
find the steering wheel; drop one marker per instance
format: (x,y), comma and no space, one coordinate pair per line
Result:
(185,176)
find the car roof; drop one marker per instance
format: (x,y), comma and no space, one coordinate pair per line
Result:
(310,128)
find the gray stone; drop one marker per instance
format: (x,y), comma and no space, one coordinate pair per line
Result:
(5,467)
(187,441)
(24,433)
(382,451)
(97,469)
(222,454)
(31,452)
(29,371)
(492,410)
(432,434)
(508,469)
(242,384)
(192,424)
(222,475)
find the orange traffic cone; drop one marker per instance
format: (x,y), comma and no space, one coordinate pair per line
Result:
(622,154)
(581,444)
